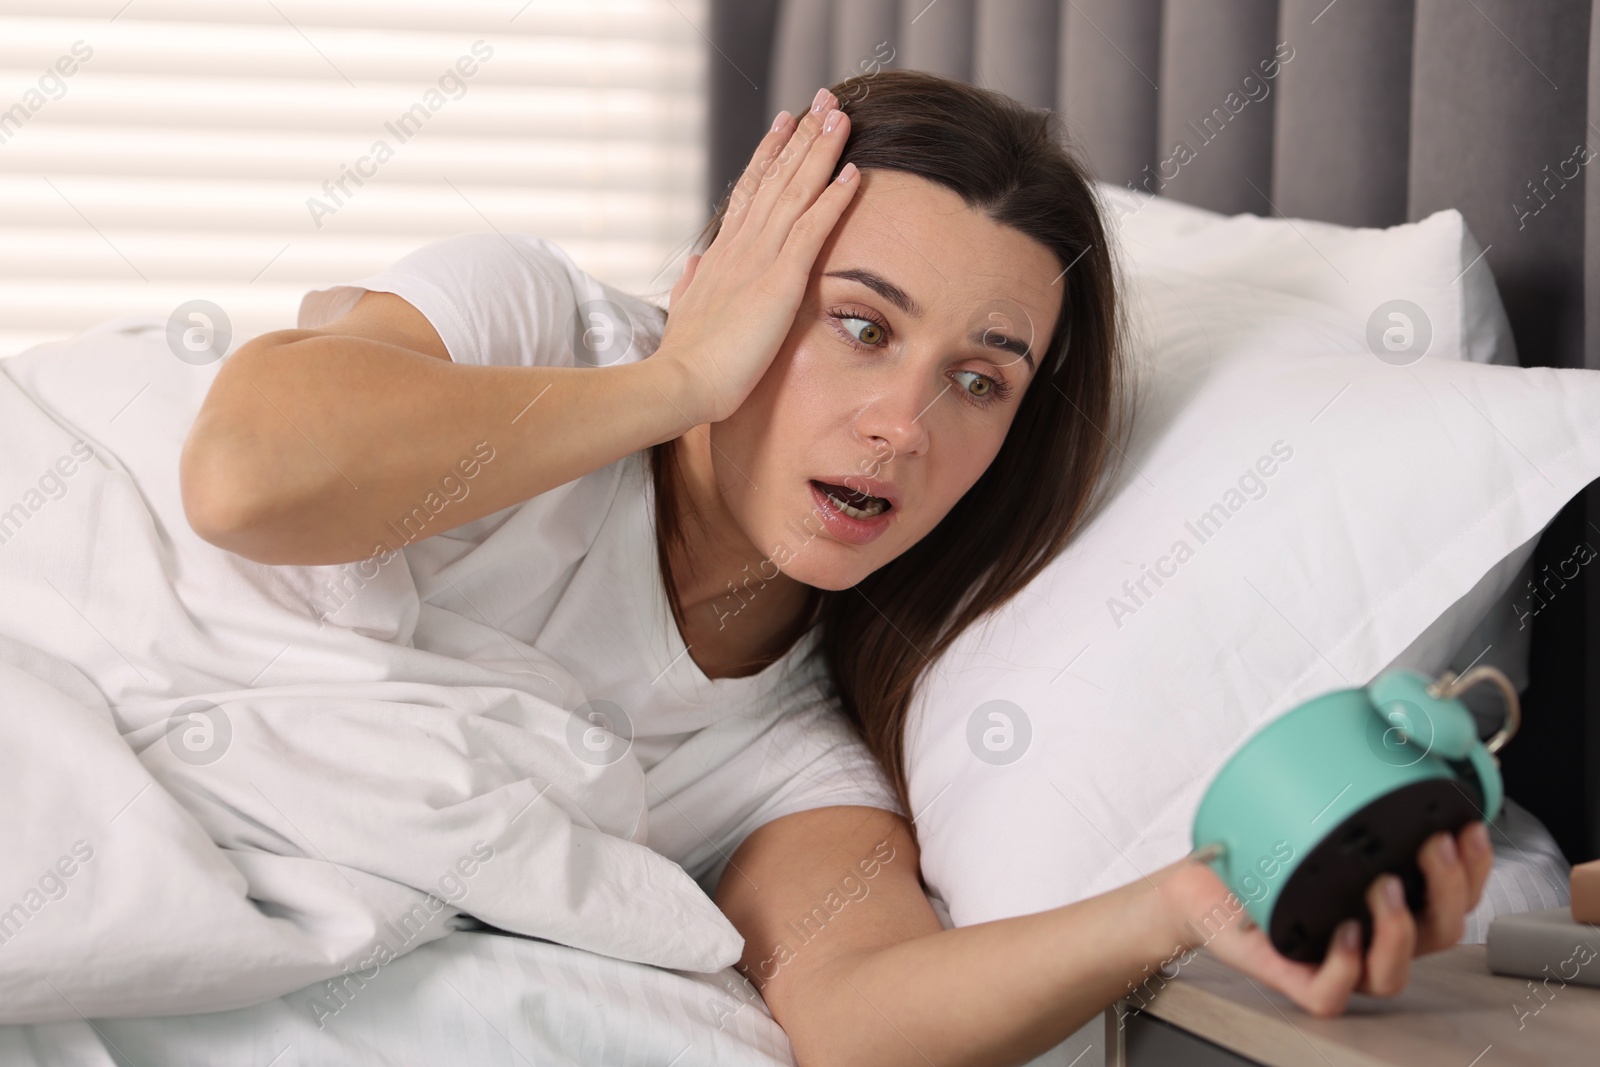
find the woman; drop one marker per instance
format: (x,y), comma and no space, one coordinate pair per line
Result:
(850,458)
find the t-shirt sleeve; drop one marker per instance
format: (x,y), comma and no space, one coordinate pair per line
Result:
(499,299)
(729,779)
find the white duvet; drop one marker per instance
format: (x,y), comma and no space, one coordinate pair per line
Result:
(200,818)
(471,998)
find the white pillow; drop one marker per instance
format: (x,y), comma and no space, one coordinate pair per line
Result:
(1351,502)
(1435,263)
(1438,265)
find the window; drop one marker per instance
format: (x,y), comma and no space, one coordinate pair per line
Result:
(154,152)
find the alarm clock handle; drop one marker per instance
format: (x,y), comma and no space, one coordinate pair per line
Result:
(1448,686)
(1479,760)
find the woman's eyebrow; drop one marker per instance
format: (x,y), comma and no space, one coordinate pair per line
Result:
(990,339)
(902,300)
(880,285)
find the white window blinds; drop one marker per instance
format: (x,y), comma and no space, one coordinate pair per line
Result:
(155,152)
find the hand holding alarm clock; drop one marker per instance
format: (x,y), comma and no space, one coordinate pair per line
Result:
(1343,838)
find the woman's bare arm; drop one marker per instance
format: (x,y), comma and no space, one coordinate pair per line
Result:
(880,982)
(316,446)
(843,945)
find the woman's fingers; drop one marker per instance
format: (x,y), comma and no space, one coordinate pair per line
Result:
(1445,918)
(733,307)
(810,181)
(1477,852)
(762,162)
(806,237)
(794,153)
(1330,988)
(1323,990)
(1456,868)
(1200,898)
(1394,938)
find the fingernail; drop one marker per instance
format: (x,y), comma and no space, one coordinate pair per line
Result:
(1350,935)
(819,100)
(1478,839)
(832,120)
(1447,850)
(846,172)
(781,121)
(1394,894)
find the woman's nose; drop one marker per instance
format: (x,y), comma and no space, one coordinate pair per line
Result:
(899,417)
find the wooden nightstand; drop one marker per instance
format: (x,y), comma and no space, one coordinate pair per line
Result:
(1453,1013)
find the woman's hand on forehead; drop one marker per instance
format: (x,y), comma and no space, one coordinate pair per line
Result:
(733,307)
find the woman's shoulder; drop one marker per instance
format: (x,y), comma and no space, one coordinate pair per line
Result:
(534,285)
(507,299)
(516,254)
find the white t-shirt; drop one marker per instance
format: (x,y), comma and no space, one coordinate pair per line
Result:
(573,572)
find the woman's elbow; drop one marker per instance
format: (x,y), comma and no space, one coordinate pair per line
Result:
(217,501)
(232,496)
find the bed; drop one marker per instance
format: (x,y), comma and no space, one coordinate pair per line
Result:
(1390,110)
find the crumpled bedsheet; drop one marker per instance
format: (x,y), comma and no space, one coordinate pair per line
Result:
(217,796)
(470,998)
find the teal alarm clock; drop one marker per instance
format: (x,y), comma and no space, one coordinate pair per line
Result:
(1331,794)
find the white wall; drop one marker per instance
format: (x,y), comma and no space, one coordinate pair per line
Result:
(185,156)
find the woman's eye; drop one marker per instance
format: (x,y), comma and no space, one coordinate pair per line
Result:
(986,389)
(979,385)
(870,333)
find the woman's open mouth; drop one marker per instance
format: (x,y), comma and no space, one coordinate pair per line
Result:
(849,514)
(856,504)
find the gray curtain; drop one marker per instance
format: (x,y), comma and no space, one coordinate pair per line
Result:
(1384,111)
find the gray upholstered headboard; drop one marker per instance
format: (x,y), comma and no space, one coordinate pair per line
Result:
(1391,110)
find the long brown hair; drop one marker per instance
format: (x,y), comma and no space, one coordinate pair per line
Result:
(1012,162)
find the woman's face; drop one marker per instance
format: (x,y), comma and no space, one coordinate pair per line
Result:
(900,378)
